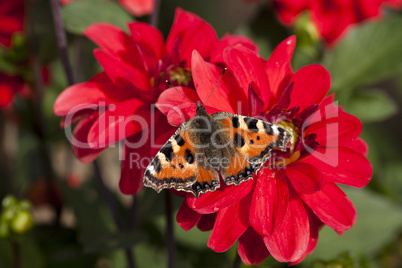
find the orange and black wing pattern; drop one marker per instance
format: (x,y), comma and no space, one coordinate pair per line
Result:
(253,139)
(177,166)
(174,166)
(207,180)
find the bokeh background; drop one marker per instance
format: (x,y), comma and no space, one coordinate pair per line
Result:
(77,222)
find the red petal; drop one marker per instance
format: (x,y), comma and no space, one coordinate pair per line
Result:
(133,166)
(305,178)
(241,61)
(186,217)
(230,40)
(342,165)
(315,225)
(138,7)
(290,242)
(81,148)
(109,37)
(230,224)
(331,19)
(117,43)
(78,97)
(252,249)
(255,104)
(335,130)
(270,202)
(326,109)
(170,98)
(148,39)
(332,207)
(358,145)
(226,96)
(193,34)
(288,10)
(120,120)
(278,66)
(181,113)
(207,222)
(223,197)
(311,85)
(121,73)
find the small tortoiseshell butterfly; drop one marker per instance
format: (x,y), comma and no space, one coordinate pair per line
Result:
(237,146)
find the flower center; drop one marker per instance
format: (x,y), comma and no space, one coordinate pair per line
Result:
(181,75)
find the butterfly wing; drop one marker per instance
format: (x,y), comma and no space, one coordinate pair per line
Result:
(253,139)
(177,166)
(207,180)
(174,166)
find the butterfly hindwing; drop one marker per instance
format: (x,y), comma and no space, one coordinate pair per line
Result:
(207,180)
(174,166)
(238,170)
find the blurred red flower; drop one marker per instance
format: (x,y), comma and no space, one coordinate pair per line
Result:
(119,102)
(281,210)
(136,7)
(11,19)
(9,87)
(332,17)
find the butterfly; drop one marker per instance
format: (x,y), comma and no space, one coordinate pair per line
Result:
(236,146)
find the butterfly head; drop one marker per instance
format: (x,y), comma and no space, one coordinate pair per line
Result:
(201,109)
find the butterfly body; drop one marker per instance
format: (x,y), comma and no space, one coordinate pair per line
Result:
(235,146)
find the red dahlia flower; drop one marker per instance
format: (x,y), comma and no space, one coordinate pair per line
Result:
(281,210)
(332,17)
(136,7)
(11,19)
(118,103)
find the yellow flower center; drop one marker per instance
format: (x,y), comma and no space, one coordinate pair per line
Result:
(181,75)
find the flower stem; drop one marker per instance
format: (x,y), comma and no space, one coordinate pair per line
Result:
(154,19)
(170,241)
(62,41)
(171,250)
(16,253)
(237,261)
(38,119)
(64,56)
(107,195)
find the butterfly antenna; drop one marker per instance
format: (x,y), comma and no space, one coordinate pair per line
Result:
(167,81)
(224,70)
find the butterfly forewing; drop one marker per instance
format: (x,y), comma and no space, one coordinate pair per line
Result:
(253,139)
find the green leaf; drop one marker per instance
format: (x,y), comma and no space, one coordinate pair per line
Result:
(371,106)
(77,16)
(370,53)
(378,223)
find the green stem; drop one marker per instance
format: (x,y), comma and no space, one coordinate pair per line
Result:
(16,254)
(237,261)
(171,249)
